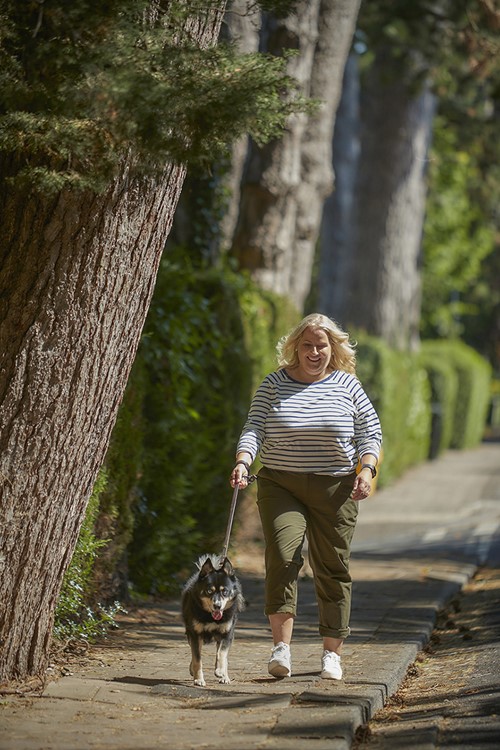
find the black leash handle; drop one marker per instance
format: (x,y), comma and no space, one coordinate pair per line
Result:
(251,478)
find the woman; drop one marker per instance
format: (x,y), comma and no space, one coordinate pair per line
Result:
(311,422)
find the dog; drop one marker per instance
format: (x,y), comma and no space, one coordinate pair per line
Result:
(211,602)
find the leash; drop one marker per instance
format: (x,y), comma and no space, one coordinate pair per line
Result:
(251,478)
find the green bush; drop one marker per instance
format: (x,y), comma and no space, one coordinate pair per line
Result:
(443,381)
(473,391)
(206,345)
(123,467)
(266,318)
(494,411)
(398,387)
(197,386)
(76,615)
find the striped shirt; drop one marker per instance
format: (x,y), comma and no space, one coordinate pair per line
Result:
(321,428)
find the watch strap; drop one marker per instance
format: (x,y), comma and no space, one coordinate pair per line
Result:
(372,469)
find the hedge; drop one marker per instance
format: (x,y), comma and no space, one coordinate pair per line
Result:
(399,389)
(207,343)
(473,389)
(443,381)
(197,384)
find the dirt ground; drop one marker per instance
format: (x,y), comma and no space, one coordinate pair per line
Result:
(450,697)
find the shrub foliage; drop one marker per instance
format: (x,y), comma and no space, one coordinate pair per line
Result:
(398,387)
(78,615)
(473,374)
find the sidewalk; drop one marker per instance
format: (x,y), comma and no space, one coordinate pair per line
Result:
(135,691)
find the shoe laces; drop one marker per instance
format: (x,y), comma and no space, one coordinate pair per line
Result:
(281,649)
(331,656)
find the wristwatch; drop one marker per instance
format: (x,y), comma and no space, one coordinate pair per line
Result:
(372,469)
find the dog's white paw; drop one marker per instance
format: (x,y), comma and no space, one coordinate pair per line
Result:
(223,678)
(200,682)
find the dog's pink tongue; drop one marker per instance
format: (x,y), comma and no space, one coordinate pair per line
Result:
(217,615)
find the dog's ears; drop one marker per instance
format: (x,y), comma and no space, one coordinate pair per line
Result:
(227,567)
(206,568)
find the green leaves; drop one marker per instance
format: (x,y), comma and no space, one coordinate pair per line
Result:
(84,82)
(77,616)
(459,235)
(58,152)
(197,387)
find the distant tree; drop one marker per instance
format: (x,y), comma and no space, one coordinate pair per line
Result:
(336,260)
(101,106)
(285,182)
(412,53)
(208,207)
(389,210)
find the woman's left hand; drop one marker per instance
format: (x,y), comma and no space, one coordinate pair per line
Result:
(362,485)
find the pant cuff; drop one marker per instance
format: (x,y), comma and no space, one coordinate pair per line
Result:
(331,633)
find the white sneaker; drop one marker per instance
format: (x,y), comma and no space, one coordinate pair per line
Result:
(330,666)
(280,664)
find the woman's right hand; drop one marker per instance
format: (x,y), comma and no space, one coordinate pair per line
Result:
(239,475)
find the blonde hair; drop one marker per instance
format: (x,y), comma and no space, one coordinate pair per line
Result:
(343,353)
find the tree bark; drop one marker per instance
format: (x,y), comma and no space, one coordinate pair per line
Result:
(76,277)
(244,23)
(336,26)
(396,123)
(286,182)
(335,256)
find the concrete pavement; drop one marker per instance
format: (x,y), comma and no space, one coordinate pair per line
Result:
(417,543)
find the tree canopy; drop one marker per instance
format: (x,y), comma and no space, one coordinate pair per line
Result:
(454,48)
(82,83)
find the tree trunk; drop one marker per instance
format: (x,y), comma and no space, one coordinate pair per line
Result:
(390,206)
(76,277)
(244,22)
(286,182)
(206,216)
(335,257)
(336,27)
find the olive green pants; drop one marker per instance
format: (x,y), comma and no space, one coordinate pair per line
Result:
(292,504)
